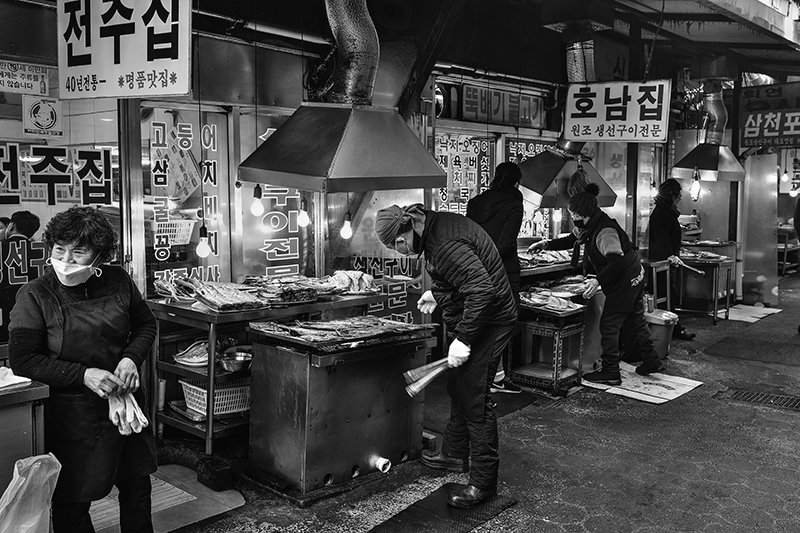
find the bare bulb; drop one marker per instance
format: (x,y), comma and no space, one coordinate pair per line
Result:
(785,177)
(694,191)
(203,249)
(302,219)
(346,231)
(793,193)
(556,215)
(257,208)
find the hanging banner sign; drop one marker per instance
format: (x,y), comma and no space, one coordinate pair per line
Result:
(627,111)
(495,106)
(771,115)
(130,49)
(23,78)
(41,117)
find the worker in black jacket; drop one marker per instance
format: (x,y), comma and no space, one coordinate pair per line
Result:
(620,274)
(665,240)
(470,285)
(499,212)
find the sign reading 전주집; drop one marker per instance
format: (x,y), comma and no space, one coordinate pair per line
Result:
(123,48)
(628,111)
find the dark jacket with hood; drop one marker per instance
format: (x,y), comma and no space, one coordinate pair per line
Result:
(469,282)
(665,231)
(499,212)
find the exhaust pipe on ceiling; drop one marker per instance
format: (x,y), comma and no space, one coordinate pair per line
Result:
(711,160)
(358,52)
(561,170)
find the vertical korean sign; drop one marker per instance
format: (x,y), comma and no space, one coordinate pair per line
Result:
(123,48)
(630,111)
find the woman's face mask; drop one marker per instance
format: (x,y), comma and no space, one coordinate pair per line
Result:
(74,265)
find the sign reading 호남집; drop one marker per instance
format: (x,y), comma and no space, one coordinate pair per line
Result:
(628,111)
(123,49)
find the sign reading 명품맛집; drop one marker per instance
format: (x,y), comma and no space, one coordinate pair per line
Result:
(123,48)
(628,111)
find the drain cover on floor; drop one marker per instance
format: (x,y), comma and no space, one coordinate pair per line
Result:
(432,514)
(772,400)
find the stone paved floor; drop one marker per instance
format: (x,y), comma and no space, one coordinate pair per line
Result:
(596,462)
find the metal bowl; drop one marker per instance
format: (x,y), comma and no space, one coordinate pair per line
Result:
(236,361)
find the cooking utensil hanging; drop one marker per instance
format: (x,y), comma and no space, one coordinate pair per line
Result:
(697,270)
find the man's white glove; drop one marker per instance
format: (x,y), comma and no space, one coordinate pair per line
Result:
(426,304)
(458,354)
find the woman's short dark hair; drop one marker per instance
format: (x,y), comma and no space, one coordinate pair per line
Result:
(507,175)
(83,226)
(585,203)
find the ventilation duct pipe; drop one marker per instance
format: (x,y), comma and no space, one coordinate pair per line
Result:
(552,173)
(711,160)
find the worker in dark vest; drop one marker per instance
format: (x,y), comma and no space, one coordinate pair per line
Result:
(610,254)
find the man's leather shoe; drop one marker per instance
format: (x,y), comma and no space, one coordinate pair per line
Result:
(683,335)
(470,496)
(645,369)
(441,461)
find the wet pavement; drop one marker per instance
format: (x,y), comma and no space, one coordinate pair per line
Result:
(597,462)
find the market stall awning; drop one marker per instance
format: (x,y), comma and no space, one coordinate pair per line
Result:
(343,148)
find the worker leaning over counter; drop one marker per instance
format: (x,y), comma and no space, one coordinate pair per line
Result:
(84,329)
(470,285)
(613,257)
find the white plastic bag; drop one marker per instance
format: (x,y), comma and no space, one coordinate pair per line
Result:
(25,505)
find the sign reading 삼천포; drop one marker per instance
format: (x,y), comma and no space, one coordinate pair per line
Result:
(627,111)
(124,48)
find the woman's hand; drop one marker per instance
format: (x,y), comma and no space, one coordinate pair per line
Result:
(535,247)
(129,375)
(592,285)
(674,260)
(101,382)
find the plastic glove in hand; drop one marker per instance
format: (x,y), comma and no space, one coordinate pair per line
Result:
(535,247)
(458,354)
(674,260)
(426,304)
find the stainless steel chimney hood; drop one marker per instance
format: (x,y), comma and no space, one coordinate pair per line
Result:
(711,160)
(548,173)
(343,148)
(348,145)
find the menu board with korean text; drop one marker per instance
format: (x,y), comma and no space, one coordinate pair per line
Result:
(468,161)
(627,111)
(123,49)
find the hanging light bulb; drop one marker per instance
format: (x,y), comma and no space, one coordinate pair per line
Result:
(694,191)
(257,208)
(302,217)
(203,249)
(653,188)
(794,191)
(346,231)
(557,215)
(785,176)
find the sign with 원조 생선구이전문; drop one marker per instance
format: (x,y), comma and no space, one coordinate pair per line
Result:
(627,111)
(123,50)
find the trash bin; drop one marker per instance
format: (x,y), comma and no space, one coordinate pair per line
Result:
(661,323)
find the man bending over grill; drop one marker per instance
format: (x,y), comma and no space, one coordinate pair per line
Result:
(470,285)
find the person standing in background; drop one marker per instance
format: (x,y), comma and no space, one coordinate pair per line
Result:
(665,241)
(499,212)
(21,227)
(469,284)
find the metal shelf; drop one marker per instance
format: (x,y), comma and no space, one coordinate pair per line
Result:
(222,426)
(201,372)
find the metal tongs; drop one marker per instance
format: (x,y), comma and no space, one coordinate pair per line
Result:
(687,267)
(421,377)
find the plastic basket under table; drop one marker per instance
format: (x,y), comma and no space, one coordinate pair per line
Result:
(178,231)
(229,397)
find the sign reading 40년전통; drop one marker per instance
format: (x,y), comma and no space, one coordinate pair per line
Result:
(628,111)
(123,48)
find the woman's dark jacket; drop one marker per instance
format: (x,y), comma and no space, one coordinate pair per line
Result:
(620,276)
(499,212)
(665,233)
(469,281)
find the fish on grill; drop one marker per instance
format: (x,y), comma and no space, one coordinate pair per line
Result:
(220,297)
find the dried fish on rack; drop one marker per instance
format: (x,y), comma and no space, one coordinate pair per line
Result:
(342,330)
(220,297)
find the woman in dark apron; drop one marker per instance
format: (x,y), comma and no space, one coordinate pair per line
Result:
(84,329)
